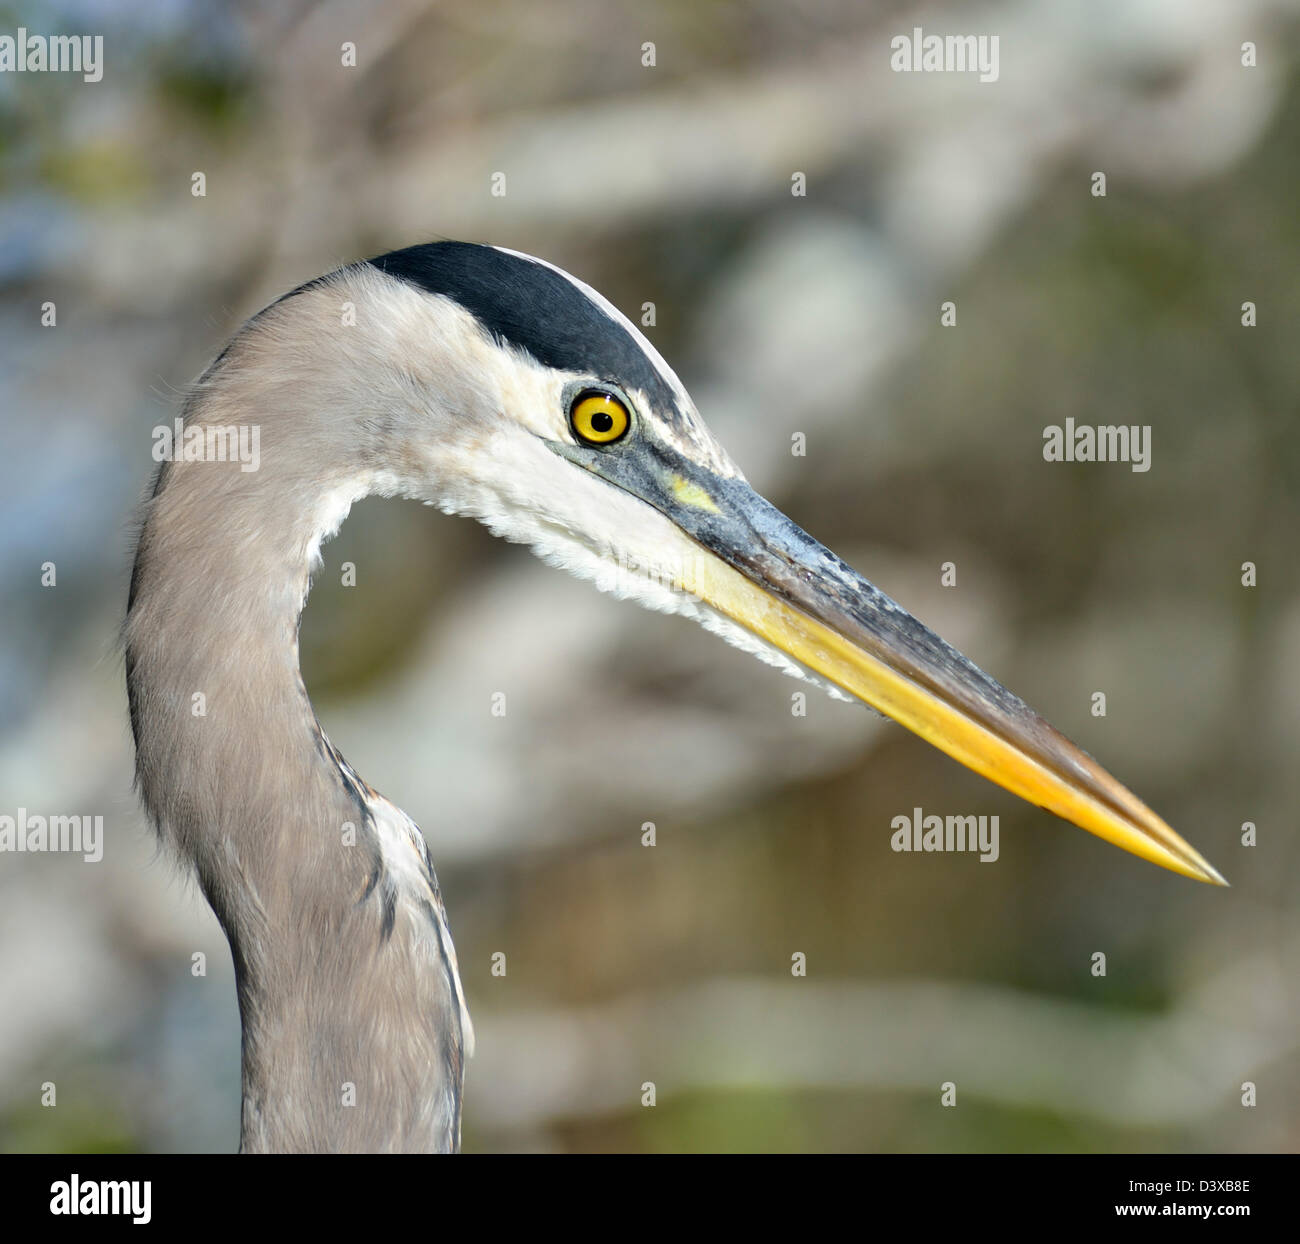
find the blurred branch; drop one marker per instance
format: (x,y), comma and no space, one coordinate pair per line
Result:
(1000,1045)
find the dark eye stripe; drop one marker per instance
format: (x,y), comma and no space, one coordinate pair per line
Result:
(535,308)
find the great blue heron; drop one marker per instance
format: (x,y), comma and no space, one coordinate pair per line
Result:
(491,384)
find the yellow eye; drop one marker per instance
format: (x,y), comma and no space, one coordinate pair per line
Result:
(598,418)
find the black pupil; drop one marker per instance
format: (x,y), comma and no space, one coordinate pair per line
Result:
(602,421)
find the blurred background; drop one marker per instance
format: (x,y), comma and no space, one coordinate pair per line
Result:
(816,314)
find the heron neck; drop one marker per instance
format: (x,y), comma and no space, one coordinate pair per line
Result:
(352,1035)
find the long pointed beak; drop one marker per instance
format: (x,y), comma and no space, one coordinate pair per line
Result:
(772,578)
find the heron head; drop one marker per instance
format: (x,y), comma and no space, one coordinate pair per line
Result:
(570,433)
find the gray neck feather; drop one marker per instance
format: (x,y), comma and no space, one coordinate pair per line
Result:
(352,1032)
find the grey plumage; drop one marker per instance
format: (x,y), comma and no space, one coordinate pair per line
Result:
(359,383)
(253,794)
(450,378)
